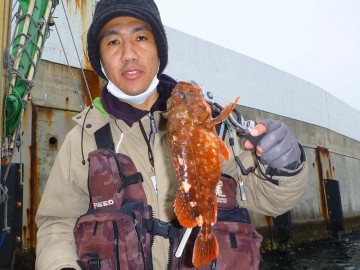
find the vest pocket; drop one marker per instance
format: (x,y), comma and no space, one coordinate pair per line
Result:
(239,245)
(114,244)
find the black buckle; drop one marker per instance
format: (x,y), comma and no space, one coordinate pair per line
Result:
(94,264)
(165,229)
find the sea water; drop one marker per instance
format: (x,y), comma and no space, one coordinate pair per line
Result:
(341,253)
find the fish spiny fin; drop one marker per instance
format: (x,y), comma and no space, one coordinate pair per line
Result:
(223,114)
(206,249)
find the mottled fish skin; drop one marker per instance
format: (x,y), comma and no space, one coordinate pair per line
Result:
(197,153)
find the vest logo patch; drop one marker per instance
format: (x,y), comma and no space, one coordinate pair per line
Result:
(221,197)
(102,204)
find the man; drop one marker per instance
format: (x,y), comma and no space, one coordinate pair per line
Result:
(127,46)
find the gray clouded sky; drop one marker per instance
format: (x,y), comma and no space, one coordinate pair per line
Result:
(316,40)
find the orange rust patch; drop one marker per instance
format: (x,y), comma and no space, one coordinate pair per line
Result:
(324,169)
(94,84)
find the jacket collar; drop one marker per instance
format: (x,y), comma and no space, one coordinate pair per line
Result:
(123,111)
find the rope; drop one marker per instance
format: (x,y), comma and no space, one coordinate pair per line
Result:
(4,200)
(4,190)
(72,36)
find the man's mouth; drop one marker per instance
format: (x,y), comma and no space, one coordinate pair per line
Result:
(132,74)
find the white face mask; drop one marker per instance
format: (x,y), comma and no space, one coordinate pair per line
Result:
(138,99)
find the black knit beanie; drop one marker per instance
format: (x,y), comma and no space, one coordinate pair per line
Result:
(145,10)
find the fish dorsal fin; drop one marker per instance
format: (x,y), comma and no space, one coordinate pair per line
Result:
(223,114)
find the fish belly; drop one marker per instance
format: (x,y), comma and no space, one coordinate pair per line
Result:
(198,165)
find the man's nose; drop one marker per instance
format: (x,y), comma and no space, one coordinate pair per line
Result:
(129,52)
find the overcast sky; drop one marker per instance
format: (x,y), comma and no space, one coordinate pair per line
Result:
(316,40)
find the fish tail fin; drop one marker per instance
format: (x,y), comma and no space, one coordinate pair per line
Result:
(206,247)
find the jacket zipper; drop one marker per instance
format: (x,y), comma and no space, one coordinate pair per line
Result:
(138,234)
(149,262)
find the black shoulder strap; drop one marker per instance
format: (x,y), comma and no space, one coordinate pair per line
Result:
(103,138)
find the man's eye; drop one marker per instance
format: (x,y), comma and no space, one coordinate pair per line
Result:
(113,42)
(142,38)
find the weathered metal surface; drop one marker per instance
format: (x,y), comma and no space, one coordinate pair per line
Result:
(49,128)
(78,14)
(308,209)
(46,122)
(346,169)
(55,87)
(324,172)
(230,74)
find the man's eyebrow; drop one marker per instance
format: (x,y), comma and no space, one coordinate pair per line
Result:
(108,33)
(142,28)
(134,30)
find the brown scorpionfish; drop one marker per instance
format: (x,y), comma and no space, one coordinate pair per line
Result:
(196,150)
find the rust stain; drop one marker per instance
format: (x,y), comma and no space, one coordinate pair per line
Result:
(53,143)
(269,220)
(324,172)
(67,103)
(94,84)
(68,118)
(87,64)
(49,114)
(77,5)
(34,184)
(27,229)
(25,237)
(25,116)
(87,15)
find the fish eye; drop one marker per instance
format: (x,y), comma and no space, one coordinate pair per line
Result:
(180,95)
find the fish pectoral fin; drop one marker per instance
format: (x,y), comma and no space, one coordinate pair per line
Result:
(224,150)
(185,211)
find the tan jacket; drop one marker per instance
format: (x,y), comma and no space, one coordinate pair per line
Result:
(66,195)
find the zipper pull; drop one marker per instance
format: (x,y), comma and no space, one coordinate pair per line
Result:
(153,179)
(242,190)
(152,123)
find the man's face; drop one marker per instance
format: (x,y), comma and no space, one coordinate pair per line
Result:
(129,54)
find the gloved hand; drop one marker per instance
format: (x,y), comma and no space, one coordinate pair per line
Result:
(278,148)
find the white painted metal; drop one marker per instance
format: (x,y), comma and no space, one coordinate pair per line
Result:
(79,14)
(222,71)
(260,86)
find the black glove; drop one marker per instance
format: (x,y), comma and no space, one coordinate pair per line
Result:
(281,149)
